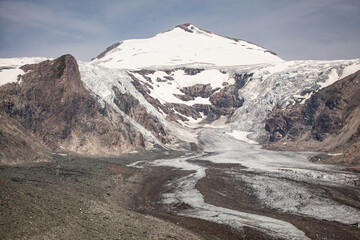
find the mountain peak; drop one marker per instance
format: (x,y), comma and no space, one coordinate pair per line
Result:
(185,28)
(184,25)
(184,44)
(188,27)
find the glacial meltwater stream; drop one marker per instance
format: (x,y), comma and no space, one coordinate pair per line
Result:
(280,180)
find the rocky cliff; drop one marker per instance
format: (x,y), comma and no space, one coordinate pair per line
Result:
(51,103)
(17,145)
(328,121)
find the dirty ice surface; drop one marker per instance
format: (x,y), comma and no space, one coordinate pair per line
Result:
(280,180)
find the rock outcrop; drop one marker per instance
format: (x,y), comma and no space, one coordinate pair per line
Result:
(115,45)
(17,145)
(329,121)
(51,103)
(198,90)
(132,107)
(222,101)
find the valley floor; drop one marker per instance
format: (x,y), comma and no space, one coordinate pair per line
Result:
(234,190)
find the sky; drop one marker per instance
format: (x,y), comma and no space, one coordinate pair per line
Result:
(294,29)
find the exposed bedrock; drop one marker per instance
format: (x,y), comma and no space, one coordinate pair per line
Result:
(328,121)
(52,104)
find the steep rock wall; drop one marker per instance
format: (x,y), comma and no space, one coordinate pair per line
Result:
(52,104)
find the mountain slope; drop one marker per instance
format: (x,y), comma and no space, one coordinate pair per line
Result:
(237,97)
(17,145)
(328,121)
(184,44)
(281,85)
(51,102)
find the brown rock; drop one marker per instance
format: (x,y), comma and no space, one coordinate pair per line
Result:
(193,71)
(115,45)
(131,106)
(53,105)
(199,90)
(227,97)
(17,145)
(328,121)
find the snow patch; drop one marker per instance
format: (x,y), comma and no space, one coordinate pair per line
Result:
(10,68)
(21,61)
(333,77)
(212,76)
(10,75)
(219,123)
(242,136)
(350,70)
(335,154)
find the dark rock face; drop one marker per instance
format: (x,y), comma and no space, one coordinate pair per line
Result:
(193,71)
(131,106)
(17,144)
(328,121)
(53,105)
(115,45)
(144,90)
(145,72)
(227,97)
(199,90)
(242,79)
(185,27)
(185,110)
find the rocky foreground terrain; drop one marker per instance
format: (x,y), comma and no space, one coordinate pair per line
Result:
(103,198)
(143,143)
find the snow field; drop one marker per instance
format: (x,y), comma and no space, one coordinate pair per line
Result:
(165,90)
(179,46)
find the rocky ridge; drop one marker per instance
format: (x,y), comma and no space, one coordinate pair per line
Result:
(52,104)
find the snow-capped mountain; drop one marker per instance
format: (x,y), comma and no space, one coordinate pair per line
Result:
(157,92)
(184,45)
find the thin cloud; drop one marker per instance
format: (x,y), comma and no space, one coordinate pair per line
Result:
(38,16)
(322,29)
